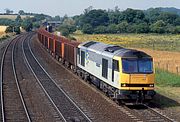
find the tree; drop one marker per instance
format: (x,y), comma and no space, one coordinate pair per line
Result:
(18,20)
(115,17)
(87,28)
(36,24)
(65,32)
(39,17)
(122,27)
(17,30)
(158,27)
(152,14)
(67,26)
(21,12)
(95,18)
(9,29)
(112,28)
(141,28)
(27,24)
(87,10)
(129,15)
(177,30)
(6,22)
(100,29)
(8,11)
(66,29)
(177,22)
(168,17)
(57,18)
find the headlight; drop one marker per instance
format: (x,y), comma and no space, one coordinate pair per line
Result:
(151,85)
(123,85)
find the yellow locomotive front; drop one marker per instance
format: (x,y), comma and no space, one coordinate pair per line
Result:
(136,77)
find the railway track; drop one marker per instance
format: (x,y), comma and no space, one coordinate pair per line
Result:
(151,114)
(13,107)
(65,106)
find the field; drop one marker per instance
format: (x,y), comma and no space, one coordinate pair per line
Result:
(4,35)
(2,30)
(150,41)
(13,17)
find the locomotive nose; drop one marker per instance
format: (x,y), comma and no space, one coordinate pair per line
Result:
(138,79)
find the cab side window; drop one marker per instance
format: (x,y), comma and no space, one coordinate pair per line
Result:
(104,68)
(78,52)
(82,58)
(115,65)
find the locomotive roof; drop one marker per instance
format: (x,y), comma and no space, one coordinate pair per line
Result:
(112,50)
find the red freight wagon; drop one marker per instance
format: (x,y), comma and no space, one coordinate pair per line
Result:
(51,44)
(46,42)
(39,37)
(70,49)
(58,49)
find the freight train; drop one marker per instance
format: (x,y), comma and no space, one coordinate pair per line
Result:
(123,74)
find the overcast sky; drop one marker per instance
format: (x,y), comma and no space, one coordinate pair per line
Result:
(76,7)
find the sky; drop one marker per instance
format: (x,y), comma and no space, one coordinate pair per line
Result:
(76,7)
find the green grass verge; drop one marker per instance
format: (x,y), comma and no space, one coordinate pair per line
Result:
(165,78)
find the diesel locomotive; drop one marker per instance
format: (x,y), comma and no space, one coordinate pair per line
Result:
(123,74)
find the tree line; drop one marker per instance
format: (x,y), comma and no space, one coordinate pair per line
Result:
(98,21)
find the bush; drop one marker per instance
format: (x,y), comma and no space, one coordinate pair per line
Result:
(158,27)
(177,30)
(17,30)
(87,28)
(72,38)
(122,27)
(11,29)
(100,29)
(112,28)
(142,28)
(65,32)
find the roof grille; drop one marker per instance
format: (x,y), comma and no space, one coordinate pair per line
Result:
(112,49)
(89,44)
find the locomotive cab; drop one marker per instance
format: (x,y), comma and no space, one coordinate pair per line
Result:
(136,76)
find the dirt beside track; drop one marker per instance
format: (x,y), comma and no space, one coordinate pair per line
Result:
(2,47)
(97,107)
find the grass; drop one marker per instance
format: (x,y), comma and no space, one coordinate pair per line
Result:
(165,78)
(168,42)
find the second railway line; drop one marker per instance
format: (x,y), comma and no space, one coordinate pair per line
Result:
(13,107)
